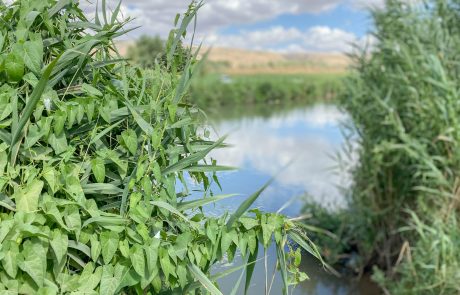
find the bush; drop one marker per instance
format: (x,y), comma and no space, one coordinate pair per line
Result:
(147,51)
(91,151)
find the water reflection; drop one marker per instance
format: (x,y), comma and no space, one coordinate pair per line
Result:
(262,145)
(266,139)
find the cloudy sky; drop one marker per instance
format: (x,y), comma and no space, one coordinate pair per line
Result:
(277,25)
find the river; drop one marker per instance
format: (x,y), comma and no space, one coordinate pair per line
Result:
(264,140)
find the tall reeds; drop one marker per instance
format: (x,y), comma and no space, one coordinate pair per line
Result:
(404,100)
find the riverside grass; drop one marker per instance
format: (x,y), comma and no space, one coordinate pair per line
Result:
(91,150)
(403,97)
(213,90)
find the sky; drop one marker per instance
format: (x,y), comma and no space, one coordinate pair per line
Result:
(294,26)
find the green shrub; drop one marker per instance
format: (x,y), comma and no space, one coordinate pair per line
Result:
(91,153)
(404,101)
(147,50)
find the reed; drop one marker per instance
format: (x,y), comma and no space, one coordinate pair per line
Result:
(403,98)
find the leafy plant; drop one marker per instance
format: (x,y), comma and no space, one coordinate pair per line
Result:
(91,152)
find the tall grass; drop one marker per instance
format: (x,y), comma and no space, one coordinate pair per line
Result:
(403,97)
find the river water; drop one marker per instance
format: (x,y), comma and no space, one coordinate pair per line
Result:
(264,140)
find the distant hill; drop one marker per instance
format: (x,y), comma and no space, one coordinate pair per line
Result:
(240,61)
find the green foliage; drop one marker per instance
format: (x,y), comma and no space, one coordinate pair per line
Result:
(403,98)
(91,153)
(213,90)
(147,50)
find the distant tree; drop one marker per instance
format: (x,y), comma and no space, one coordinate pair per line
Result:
(147,50)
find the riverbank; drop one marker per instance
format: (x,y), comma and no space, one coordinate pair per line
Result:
(220,90)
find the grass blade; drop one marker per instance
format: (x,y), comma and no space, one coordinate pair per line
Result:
(31,104)
(104,132)
(209,168)
(250,268)
(101,189)
(203,279)
(237,285)
(283,269)
(244,207)
(184,206)
(192,159)
(146,127)
(169,208)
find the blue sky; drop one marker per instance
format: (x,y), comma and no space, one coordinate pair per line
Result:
(343,17)
(274,25)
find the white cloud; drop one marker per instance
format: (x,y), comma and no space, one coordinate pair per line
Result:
(266,145)
(318,38)
(156,17)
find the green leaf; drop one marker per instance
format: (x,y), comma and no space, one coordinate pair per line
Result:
(247,204)
(226,242)
(267,232)
(209,168)
(109,244)
(169,208)
(33,260)
(130,140)
(27,198)
(14,67)
(91,90)
(10,261)
(137,259)
(33,55)
(250,268)
(98,168)
(146,127)
(89,278)
(283,269)
(31,103)
(203,279)
(7,202)
(95,248)
(202,202)
(50,175)
(109,283)
(249,223)
(192,159)
(166,267)
(181,272)
(5,106)
(59,243)
(2,41)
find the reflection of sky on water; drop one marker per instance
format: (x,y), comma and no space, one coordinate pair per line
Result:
(263,146)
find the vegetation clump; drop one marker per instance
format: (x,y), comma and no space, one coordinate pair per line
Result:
(403,216)
(147,51)
(92,150)
(214,90)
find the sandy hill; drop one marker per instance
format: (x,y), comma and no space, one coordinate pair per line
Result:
(240,61)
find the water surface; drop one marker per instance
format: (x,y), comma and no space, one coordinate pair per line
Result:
(264,141)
